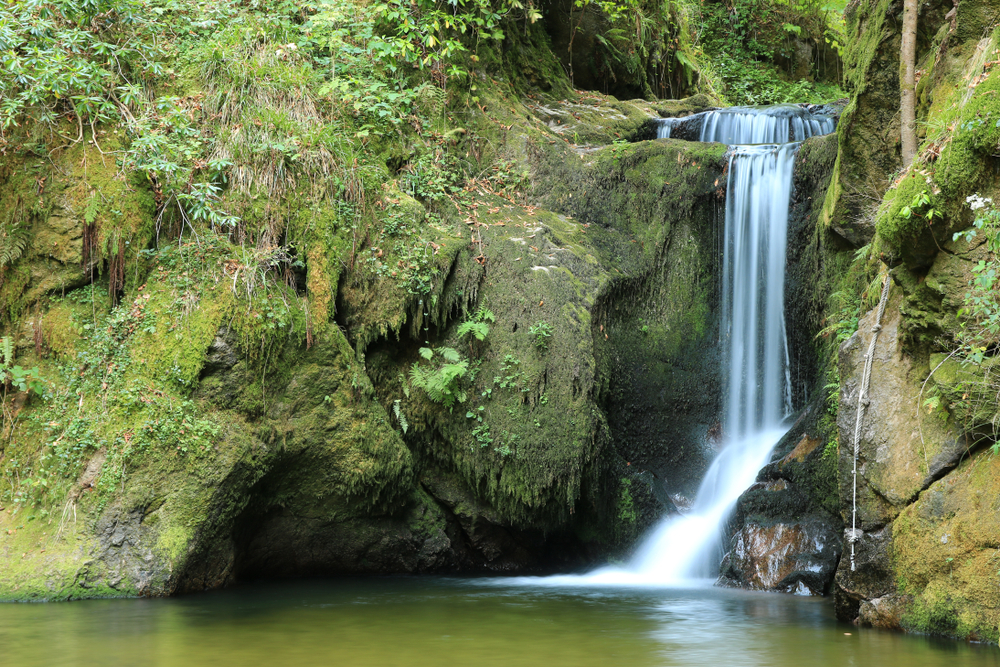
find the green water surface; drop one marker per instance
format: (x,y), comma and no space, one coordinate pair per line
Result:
(438,621)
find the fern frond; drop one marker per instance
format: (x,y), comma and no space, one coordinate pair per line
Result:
(11,247)
(400,416)
(7,348)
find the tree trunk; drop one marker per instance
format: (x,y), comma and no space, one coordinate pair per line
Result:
(907,83)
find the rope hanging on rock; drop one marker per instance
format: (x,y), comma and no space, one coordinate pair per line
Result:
(863,402)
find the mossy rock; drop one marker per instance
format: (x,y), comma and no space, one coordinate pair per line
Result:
(944,553)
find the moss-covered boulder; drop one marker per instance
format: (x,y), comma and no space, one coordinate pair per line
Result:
(591,121)
(945,556)
(204,425)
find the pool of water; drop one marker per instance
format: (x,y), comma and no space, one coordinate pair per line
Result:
(417,621)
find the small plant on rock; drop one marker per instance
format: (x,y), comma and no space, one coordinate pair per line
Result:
(14,377)
(476,327)
(980,328)
(541,331)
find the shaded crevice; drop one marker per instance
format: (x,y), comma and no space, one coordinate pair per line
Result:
(662,390)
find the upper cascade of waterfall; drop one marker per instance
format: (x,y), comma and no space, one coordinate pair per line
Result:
(666,126)
(769,125)
(783,123)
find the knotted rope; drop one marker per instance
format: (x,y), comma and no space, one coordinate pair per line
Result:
(863,402)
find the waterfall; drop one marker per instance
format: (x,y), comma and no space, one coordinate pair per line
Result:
(757,385)
(666,125)
(757,396)
(758,392)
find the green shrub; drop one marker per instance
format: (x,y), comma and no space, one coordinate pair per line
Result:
(88,59)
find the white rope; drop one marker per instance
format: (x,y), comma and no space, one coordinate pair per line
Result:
(863,402)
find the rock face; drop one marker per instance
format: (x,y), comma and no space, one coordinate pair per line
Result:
(922,468)
(901,452)
(585,43)
(945,553)
(924,486)
(926,502)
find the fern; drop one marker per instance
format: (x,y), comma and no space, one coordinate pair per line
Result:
(404,384)
(7,350)
(479,330)
(400,416)
(12,245)
(476,326)
(93,208)
(484,314)
(441,383)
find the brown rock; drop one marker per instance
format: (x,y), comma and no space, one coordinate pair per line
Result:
(885,612)
(902,449)
(783,557)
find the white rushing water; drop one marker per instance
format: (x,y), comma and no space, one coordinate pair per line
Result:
(667,125)
(778,124)
(766,125)
(686,549)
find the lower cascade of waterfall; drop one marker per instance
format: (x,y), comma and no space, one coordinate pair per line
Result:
(686,549)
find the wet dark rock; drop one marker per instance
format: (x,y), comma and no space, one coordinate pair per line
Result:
(222,354)
(794,558)
(873,576)
(786,531)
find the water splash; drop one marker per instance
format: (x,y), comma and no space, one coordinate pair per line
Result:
(685,550)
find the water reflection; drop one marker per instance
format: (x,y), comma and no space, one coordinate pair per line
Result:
(433,621)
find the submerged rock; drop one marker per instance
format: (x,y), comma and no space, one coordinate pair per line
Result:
(885,612)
